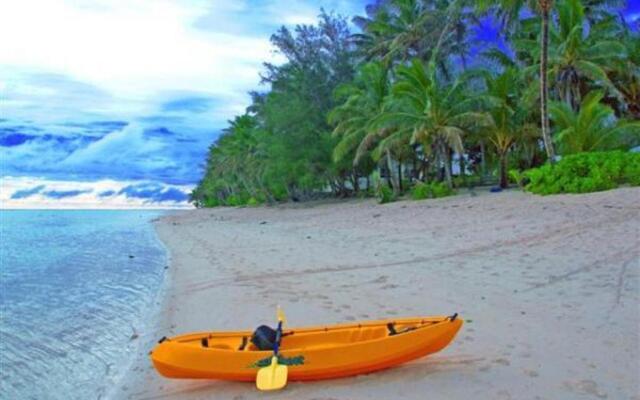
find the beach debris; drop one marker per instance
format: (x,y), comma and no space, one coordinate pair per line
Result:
(308,237)
(376,215)
(263,223)
(132,256)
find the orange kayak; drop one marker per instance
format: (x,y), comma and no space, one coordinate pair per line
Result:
(311,353)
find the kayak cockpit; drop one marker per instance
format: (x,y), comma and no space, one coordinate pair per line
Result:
(307,339)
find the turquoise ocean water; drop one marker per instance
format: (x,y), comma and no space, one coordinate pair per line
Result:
(75,289)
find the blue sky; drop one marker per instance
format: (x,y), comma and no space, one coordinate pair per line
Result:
(115,102)
(109,103)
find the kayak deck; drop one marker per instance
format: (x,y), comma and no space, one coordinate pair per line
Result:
(316,352)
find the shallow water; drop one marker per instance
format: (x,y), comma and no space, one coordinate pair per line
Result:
(72,300)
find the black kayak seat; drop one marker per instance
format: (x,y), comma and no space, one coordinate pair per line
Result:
(264,337)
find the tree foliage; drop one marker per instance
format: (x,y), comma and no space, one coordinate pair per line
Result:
(403,98)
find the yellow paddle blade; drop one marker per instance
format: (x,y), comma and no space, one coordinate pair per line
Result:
(280,315)
(272,377)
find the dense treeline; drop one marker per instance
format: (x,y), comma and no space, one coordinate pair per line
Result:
(408,101)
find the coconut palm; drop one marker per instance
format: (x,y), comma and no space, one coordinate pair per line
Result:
(429,112)
(363,99)
(363,102)
(626,75)
(545,7)
(509,12)
(593,128)
(510,116)
(399,30)
(582,53)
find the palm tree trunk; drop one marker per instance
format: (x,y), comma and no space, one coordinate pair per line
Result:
(545,6)
(504,182)
(483,162)
(447,164)
(356,184)
(392,177)
(462,166)
(400,176)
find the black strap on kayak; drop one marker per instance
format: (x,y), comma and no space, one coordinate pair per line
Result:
(453,317)
(244,343)
(391,326)
(162,339)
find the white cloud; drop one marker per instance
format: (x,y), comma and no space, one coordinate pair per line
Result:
(133,48)
(89,197)
(117,146)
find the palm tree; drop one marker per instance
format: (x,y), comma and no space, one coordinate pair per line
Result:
(583,53)
(626,74)
(396,31)
(509,11)
(545,7)
(363,102)
(592,128)
(352,119)
(582,50)
(510,115)
(427,111)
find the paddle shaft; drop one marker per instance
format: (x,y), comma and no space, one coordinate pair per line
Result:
(276,346)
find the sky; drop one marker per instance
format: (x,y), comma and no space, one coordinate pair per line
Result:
(114,103)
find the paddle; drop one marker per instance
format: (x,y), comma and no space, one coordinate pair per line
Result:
(274,376)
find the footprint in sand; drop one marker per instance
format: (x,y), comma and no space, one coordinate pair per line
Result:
(389,286)
(586,386)
(502,361)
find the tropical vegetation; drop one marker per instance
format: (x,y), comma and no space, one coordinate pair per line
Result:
(411,98)
(585,172)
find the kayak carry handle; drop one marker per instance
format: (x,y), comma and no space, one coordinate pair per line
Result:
(453,317)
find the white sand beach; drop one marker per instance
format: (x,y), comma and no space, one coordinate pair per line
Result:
(549,288)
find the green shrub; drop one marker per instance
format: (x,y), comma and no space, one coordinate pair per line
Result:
(440,189)
(385,194)
(210,202)
(585,172)
(517,177)
(421,191)
(430,190)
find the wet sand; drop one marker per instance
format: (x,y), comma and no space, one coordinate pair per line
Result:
(549,288)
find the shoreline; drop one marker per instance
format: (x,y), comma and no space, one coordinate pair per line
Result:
(152,324)
(522,264)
